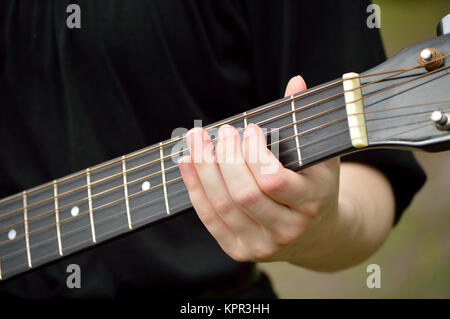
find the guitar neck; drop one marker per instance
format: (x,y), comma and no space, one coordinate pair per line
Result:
(77,211)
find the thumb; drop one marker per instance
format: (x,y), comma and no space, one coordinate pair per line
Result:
(295,85)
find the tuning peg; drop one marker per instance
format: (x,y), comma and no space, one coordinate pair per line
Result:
(441,120)
(443,27)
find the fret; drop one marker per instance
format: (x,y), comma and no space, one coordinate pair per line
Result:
(245,119)
(163,173)
(13,251)
(139,188)
(75,225)
(25,221)
(41,217)
(294,121)
(332,137)
(145,188)
(125,189)
(270,121)
(177,195)
(108,201)
(1,276)
(91,214)
(58,230)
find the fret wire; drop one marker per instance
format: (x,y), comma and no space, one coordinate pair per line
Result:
(181,151)
(34,189)
(294,120)
(1,270)
(245,119)
(312,142)
(58,231)
(161,184)
(146,176)
(25,221)
(231,120)
(135,194)
(91,215)
(125,190)
(100,207)
(288,164)
(140,192)
(161,154)
(334,121)
(175,166)
(5,257)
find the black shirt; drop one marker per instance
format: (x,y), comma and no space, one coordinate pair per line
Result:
(137,69)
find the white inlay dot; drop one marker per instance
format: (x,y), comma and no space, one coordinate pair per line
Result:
(12,234)
(74,211)
(145,186)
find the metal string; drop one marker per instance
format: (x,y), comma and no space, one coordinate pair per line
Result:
(267,107)
(6,257)
(343,118)
(180,178)
(396,72)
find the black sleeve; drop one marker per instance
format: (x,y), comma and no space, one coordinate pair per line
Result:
(321,40)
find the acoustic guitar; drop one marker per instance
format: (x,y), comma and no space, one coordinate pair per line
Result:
(402,103)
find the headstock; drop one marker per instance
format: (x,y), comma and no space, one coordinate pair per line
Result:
(398,109)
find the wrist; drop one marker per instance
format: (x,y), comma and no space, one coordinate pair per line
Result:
(326,236)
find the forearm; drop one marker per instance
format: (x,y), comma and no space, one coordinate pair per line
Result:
(356,229)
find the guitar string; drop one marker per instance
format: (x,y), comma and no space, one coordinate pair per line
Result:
(162,212)
(415,128)
(157,160)
(180,178)
(137,180)
(267,107)
(49,184)
(181,151)
(120,174)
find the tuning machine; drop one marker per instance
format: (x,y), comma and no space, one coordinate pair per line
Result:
(441,120)
(430,58)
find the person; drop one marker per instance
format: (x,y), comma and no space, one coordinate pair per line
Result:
(75,97)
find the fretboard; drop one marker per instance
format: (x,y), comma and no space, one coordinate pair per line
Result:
(88,207)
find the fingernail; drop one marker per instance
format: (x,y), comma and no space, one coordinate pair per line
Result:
(196,134)
(226,131)
(251,130)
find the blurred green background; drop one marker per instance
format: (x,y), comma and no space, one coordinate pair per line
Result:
(415,259)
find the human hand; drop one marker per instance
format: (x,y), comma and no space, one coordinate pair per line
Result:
(254,215)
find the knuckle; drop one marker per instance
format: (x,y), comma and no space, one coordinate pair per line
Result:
(312,208)
(223,205)
(246,197)
(207,217)
(261,252)
(286,236)
(274,183)
(287,232)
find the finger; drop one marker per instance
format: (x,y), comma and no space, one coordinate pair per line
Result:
(295,85)
(215,189)
(277,182)
(212,221)
(241,185)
